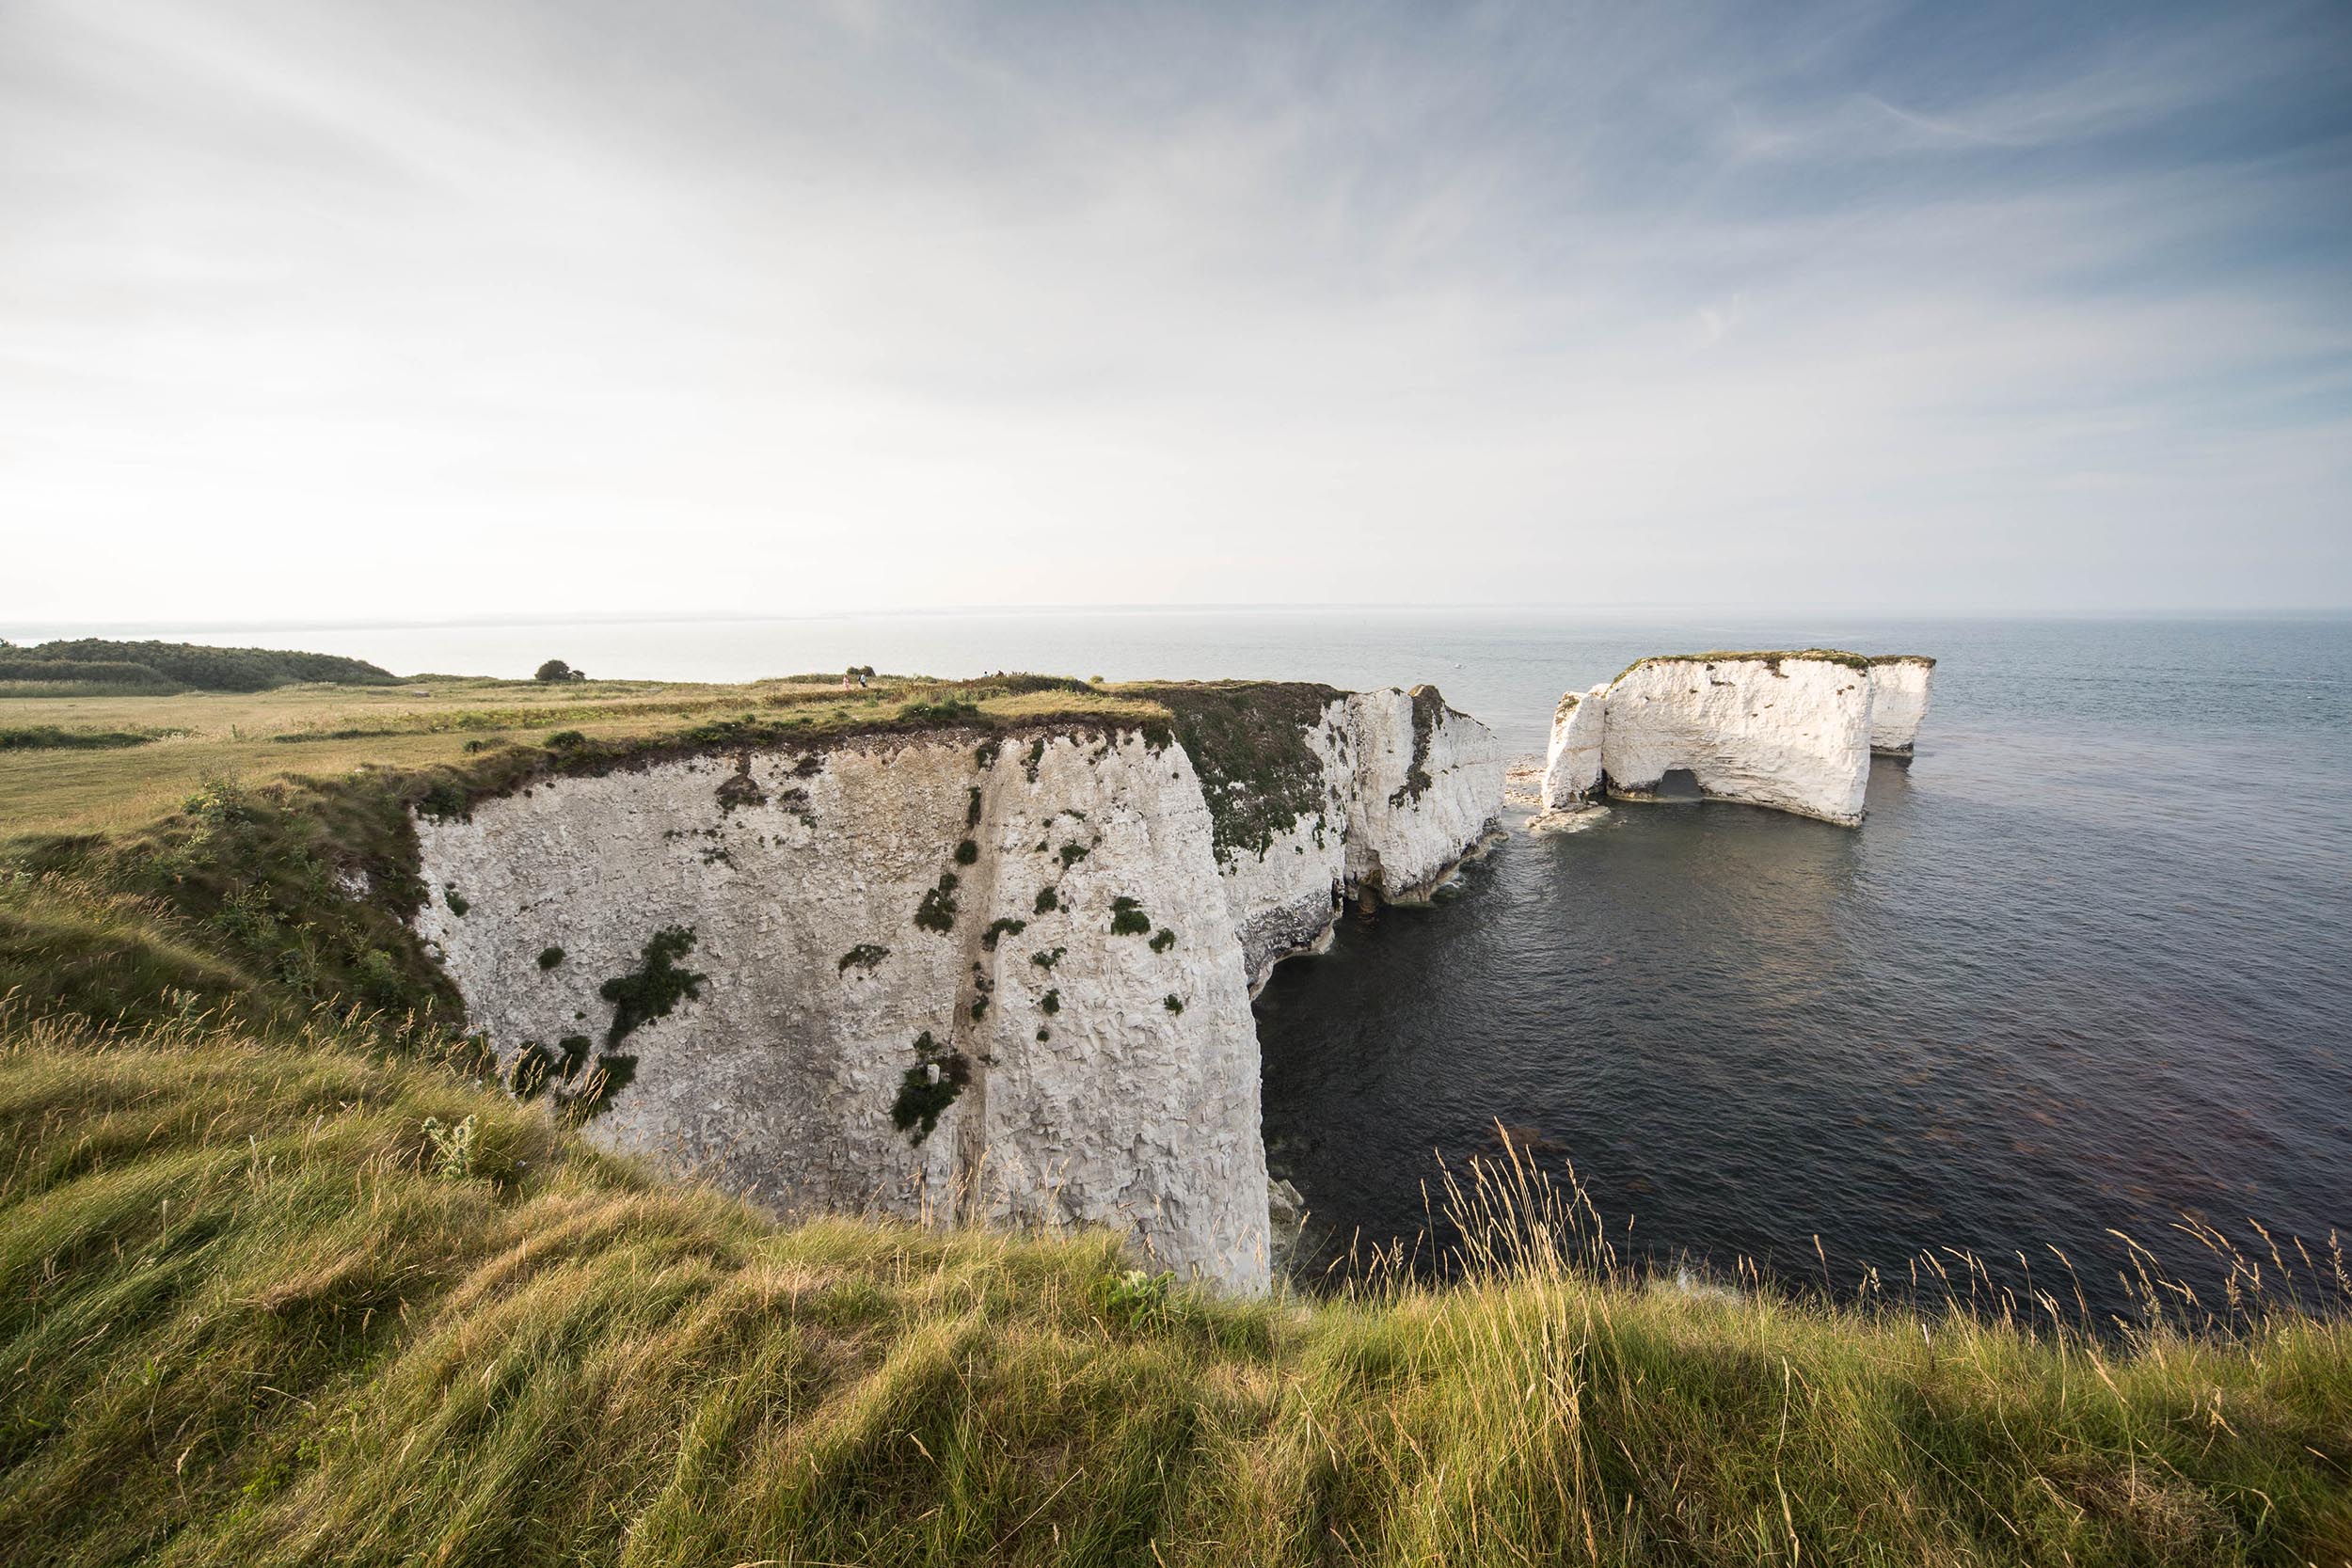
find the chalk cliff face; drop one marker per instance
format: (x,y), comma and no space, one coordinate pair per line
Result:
(1393,788)
(1428,783)
(1572,766)
(1000,976)
(1787,730)
(1899,701)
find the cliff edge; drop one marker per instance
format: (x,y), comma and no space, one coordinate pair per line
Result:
(1000,974)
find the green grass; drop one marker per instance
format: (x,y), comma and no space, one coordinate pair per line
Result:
(255,1313)
(1771,658)
(325,732)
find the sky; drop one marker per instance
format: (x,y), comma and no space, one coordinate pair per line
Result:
(316,310)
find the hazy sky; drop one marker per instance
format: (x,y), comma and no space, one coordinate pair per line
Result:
(313,309)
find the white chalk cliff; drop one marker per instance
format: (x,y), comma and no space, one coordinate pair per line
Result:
(1899,701)
(1004,976)
(1572,765)
(1786,731)
(1405,785)
(1791,731)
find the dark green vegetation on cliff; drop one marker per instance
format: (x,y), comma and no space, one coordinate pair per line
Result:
(285,1277)
(1248,739)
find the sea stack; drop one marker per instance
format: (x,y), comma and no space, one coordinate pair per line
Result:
(1898,700)
(1790,731)
(1794,731)
(1573,763)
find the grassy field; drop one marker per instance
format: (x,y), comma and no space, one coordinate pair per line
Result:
(325,730)
(287,1282)
(295,1302)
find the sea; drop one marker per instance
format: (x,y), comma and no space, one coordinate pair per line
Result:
(2077,989)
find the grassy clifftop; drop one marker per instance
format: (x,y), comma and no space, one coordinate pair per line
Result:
(259,862)
(291,1302)
(1771,658)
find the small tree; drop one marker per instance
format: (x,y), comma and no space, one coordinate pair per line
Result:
(556,670)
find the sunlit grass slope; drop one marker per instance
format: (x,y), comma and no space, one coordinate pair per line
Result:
(289,1303)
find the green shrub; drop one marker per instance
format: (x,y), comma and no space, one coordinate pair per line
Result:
(866,955)
(928,1088)
(49,737)
(655,987)
(946,710)
(185,664)
(550,956)
(937,911)
(1163,940)
(1128,919)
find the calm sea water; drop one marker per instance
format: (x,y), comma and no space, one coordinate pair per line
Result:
(2088,966)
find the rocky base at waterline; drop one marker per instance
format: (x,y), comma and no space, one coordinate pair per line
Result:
(1003,976)
(1793,731)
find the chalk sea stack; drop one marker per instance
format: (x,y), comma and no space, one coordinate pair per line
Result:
(1791,730)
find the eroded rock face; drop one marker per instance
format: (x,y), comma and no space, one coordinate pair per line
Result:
(1792,732)
(1899,701)
(1407,786)
(1572,766)
(1072,1005)
(1004,979)
(1428,783)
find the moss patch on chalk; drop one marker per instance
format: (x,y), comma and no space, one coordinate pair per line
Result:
(928,1088)
(655,987)
(1429,711)
(1248,740)
(937,911)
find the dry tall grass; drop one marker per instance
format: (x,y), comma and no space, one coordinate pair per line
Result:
(255,1311)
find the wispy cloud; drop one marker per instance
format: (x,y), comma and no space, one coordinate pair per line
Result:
(754,307)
